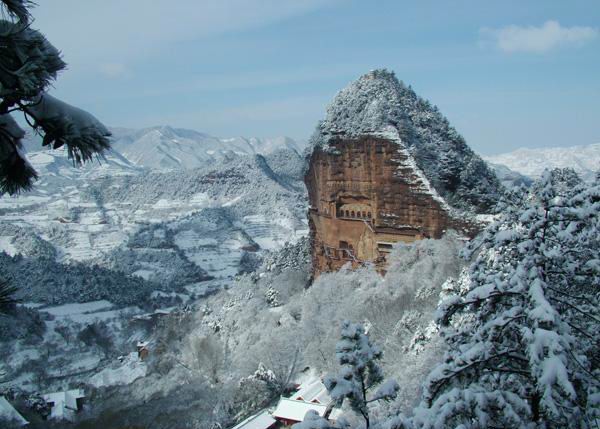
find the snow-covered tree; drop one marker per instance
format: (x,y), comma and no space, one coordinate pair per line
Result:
(272,297)
(312,420)
(206,356)
(28,65)
(523,324)
(360,372)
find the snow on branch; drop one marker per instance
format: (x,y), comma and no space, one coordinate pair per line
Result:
(386,392)
(28,65)
(28,61)
(64,124)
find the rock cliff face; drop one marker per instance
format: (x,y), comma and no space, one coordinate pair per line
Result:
(377,176)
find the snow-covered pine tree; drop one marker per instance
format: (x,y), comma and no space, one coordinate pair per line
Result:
(523,328)
(28,64)
(360,372)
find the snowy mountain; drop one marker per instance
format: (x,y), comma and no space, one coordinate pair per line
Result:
(378,102)
(168,148)
(585,160)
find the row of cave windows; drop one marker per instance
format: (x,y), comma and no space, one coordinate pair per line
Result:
(353,214)
(350,214)
(367,215)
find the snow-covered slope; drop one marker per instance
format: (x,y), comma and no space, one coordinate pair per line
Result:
(585,160)
(168,148)
(377,101)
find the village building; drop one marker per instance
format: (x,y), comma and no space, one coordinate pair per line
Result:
(64,405)
(142,349)
(262,420)
(10,415)
(311,395)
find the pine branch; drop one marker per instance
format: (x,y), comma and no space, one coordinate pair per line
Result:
(452,374)
(585,313)
(7,296)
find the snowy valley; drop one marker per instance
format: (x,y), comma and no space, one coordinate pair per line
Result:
(105,250)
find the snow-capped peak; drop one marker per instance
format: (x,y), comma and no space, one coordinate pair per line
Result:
(377,101)
(367,105)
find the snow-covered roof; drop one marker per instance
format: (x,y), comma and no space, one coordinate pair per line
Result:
(311,395)
(290,409)
(311,391)
(261,420)
(65,403)
(131,369)
(8,412)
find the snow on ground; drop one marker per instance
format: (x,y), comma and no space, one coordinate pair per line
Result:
(145,274)
(88,318)
(76,308)
(127,372)
(190,239)
(160,294)
(201,289)
(79,362)
(22,354)
(273,232)
(74,212)
(218,261)
(6,245)
(91,214)
(86,313)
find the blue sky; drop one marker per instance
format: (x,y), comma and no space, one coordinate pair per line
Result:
(507,74)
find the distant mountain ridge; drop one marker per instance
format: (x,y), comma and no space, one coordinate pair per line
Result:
(168,148)
(584,159)
(163,148)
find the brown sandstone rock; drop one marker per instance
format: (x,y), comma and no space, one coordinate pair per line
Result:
(366,194)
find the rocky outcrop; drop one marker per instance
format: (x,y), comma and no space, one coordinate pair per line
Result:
(373,180)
